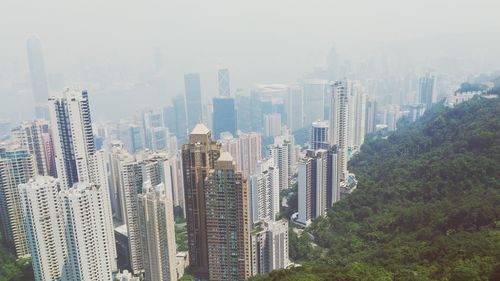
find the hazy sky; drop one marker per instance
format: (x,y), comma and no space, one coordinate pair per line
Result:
(260,41)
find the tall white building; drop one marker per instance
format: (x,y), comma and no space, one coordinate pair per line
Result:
(90,255)
(270,247)
(339,124)
(280,153)
(157,233)
(356,116)
(272,124)
(45,228)
(233,146)
(75,153)
(251,152)
(294,110)
(265,189)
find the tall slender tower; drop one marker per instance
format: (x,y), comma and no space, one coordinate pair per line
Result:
(224,85)
(265,189)
(319,135)
(45,230)
(193,98)
(339,112)
(75,153)
(227,214)
(198,157)
(16,167)
(156,219)
(38,77)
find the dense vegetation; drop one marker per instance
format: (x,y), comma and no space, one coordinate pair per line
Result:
(427,205)
(12,269)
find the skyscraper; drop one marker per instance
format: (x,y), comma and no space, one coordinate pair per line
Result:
(339,123)
(251,151)
(90,255)
(371,115)
(224,85)
(193,98)
(16,167)
(294,108)
(45,228)
(426,90)
(280,152)
(356,116)
(320,135)
(228,235)
(265,189)
(179,106)
(76,157)
(198,157)
(233,146)
(38,77)
(156,220)
(224,116)
(314,93)
(36,136)
(272,125)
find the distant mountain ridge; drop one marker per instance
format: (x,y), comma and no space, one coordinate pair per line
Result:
(427,205)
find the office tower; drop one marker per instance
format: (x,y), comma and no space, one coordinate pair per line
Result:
(151,120)
(179,105)
(251,151)
(426,90)
(314,92)
(137,143)
(160,138)
(37,138)
(319,135)
(280,151)
(45,230)
(198,157)
(16,167)
(244,113)
(90,255)
(371,115)
(228,235)
(75,154)
(356,116)
(208,115)
(169,119)
(233,146)
(313,185)
(270,247)
(272,125)
(294,109)
(156,220)
(224,85)
(38,77)
(265,189)
(224,118)
(339,124)
(193,99)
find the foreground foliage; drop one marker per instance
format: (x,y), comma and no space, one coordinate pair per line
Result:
(427,205)
(12,269)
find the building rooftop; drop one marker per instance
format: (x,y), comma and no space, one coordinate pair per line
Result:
(200,129)
(225,157)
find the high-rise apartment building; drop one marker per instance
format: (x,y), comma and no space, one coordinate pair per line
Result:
(179,106)
(264,189)
(270,246)
(224,83)
(227,214)
(272,125)
(280,152)
(356,116)
(45,228)
(251,152)
(320,135)
(198,157)
(91,256)
(157,232)
(76,157)
(36,136)
(339,124)
(370,115)
(224,116)
(38,77)
(16,167)
(193,99)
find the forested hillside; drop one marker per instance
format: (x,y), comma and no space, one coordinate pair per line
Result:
(427,205)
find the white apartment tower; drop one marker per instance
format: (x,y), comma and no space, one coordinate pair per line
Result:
(90,255)
(339,124)
(270,247)
(265,188)
(157,231)
(45,229)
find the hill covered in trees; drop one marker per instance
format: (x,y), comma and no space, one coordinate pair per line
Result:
(427,206)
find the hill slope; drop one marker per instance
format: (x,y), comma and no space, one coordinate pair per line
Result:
(427,205)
